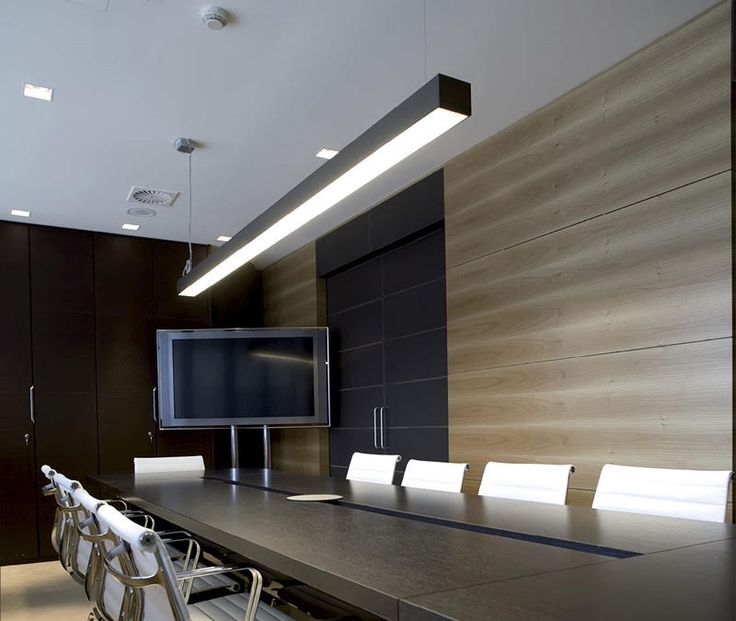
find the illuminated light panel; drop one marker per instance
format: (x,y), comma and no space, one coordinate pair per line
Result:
(224,238)
(21,213)
(131,227)
(438,106)
(326,154)
(38,92)
(410,140)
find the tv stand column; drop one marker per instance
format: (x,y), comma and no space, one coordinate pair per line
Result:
(234,455)
(266,447)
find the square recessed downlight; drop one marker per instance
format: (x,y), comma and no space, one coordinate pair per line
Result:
(326,154)
(224,238)
(131,227)
(21,213)
(38,92)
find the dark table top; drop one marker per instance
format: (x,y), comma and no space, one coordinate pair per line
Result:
(378,552)
(610,529)
(689,584)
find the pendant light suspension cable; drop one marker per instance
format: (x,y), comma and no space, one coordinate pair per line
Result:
(188,263)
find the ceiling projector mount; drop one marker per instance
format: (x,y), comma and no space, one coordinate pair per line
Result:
(215,17)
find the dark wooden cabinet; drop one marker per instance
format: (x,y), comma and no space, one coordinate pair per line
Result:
(387,318)
(18,532)
(64,361)
(125,341)
(78,324)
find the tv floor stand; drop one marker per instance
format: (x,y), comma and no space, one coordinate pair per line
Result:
(234,452)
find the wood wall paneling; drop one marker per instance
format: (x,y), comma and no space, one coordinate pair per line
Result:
(293,296)
(589,272)
(656,121)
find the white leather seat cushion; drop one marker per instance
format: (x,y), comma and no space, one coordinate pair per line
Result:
(232,608)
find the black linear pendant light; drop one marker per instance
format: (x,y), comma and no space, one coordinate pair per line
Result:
(435,108)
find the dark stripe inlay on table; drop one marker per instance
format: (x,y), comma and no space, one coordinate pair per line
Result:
(476,528)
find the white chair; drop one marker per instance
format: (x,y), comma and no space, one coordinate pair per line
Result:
(533,482)
(435,475)
(372,468)
(693,494)
(138,581)
(152,465)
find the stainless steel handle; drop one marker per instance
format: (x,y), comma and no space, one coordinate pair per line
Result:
(27,438)
(31,405)
(382,411)
(375,428)
(154,404)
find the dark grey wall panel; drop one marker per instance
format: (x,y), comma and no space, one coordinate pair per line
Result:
(353,287)
(360,367)
(417,357)
(417,262)
(430,443)
(415,310)
(344,245)
(413,209)
(354,407)
(344,442)
(356,327)
(417,404)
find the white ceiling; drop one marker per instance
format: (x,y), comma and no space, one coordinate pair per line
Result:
(287,78)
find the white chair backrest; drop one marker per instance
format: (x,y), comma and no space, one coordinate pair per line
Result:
(372,468)
(149,465)
(533,482)
(436,475)
(693,494)
(88,508)
(155,602)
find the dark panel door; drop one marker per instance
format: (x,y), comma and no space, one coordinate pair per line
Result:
(387,318)
(171,311)
(63,327)
(18,520)
(125,339)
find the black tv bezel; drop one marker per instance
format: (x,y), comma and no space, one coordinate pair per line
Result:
(165,398)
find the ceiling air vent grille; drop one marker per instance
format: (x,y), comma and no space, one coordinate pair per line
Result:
(150,196)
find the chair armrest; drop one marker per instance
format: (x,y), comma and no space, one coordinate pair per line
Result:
(256,583)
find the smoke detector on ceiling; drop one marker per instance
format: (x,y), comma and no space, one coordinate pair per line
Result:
(151,196)
(215,17)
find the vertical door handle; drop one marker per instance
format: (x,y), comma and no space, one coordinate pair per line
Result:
(27,438)
(382,411)
(154,405)
(150,437)
(31,405)
(375,428)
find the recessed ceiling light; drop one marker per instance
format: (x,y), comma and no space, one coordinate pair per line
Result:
(131,227)
(141,212)
(21,213)
(327,154)
(38,92)
(224,238)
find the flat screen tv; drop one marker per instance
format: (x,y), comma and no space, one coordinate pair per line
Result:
(243,377)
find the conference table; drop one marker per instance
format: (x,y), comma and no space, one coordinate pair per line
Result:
(418,555)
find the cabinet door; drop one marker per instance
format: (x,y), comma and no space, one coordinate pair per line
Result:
(125,339)
(18,529)
(64,362)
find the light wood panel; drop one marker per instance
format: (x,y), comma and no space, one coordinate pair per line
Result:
(655,273)
(589,272)
(656,121)
(662,407)
(293,296)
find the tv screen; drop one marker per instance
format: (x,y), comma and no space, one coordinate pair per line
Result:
(243,377)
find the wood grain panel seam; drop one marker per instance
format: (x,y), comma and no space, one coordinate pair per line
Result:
(584,220)
(593,355)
